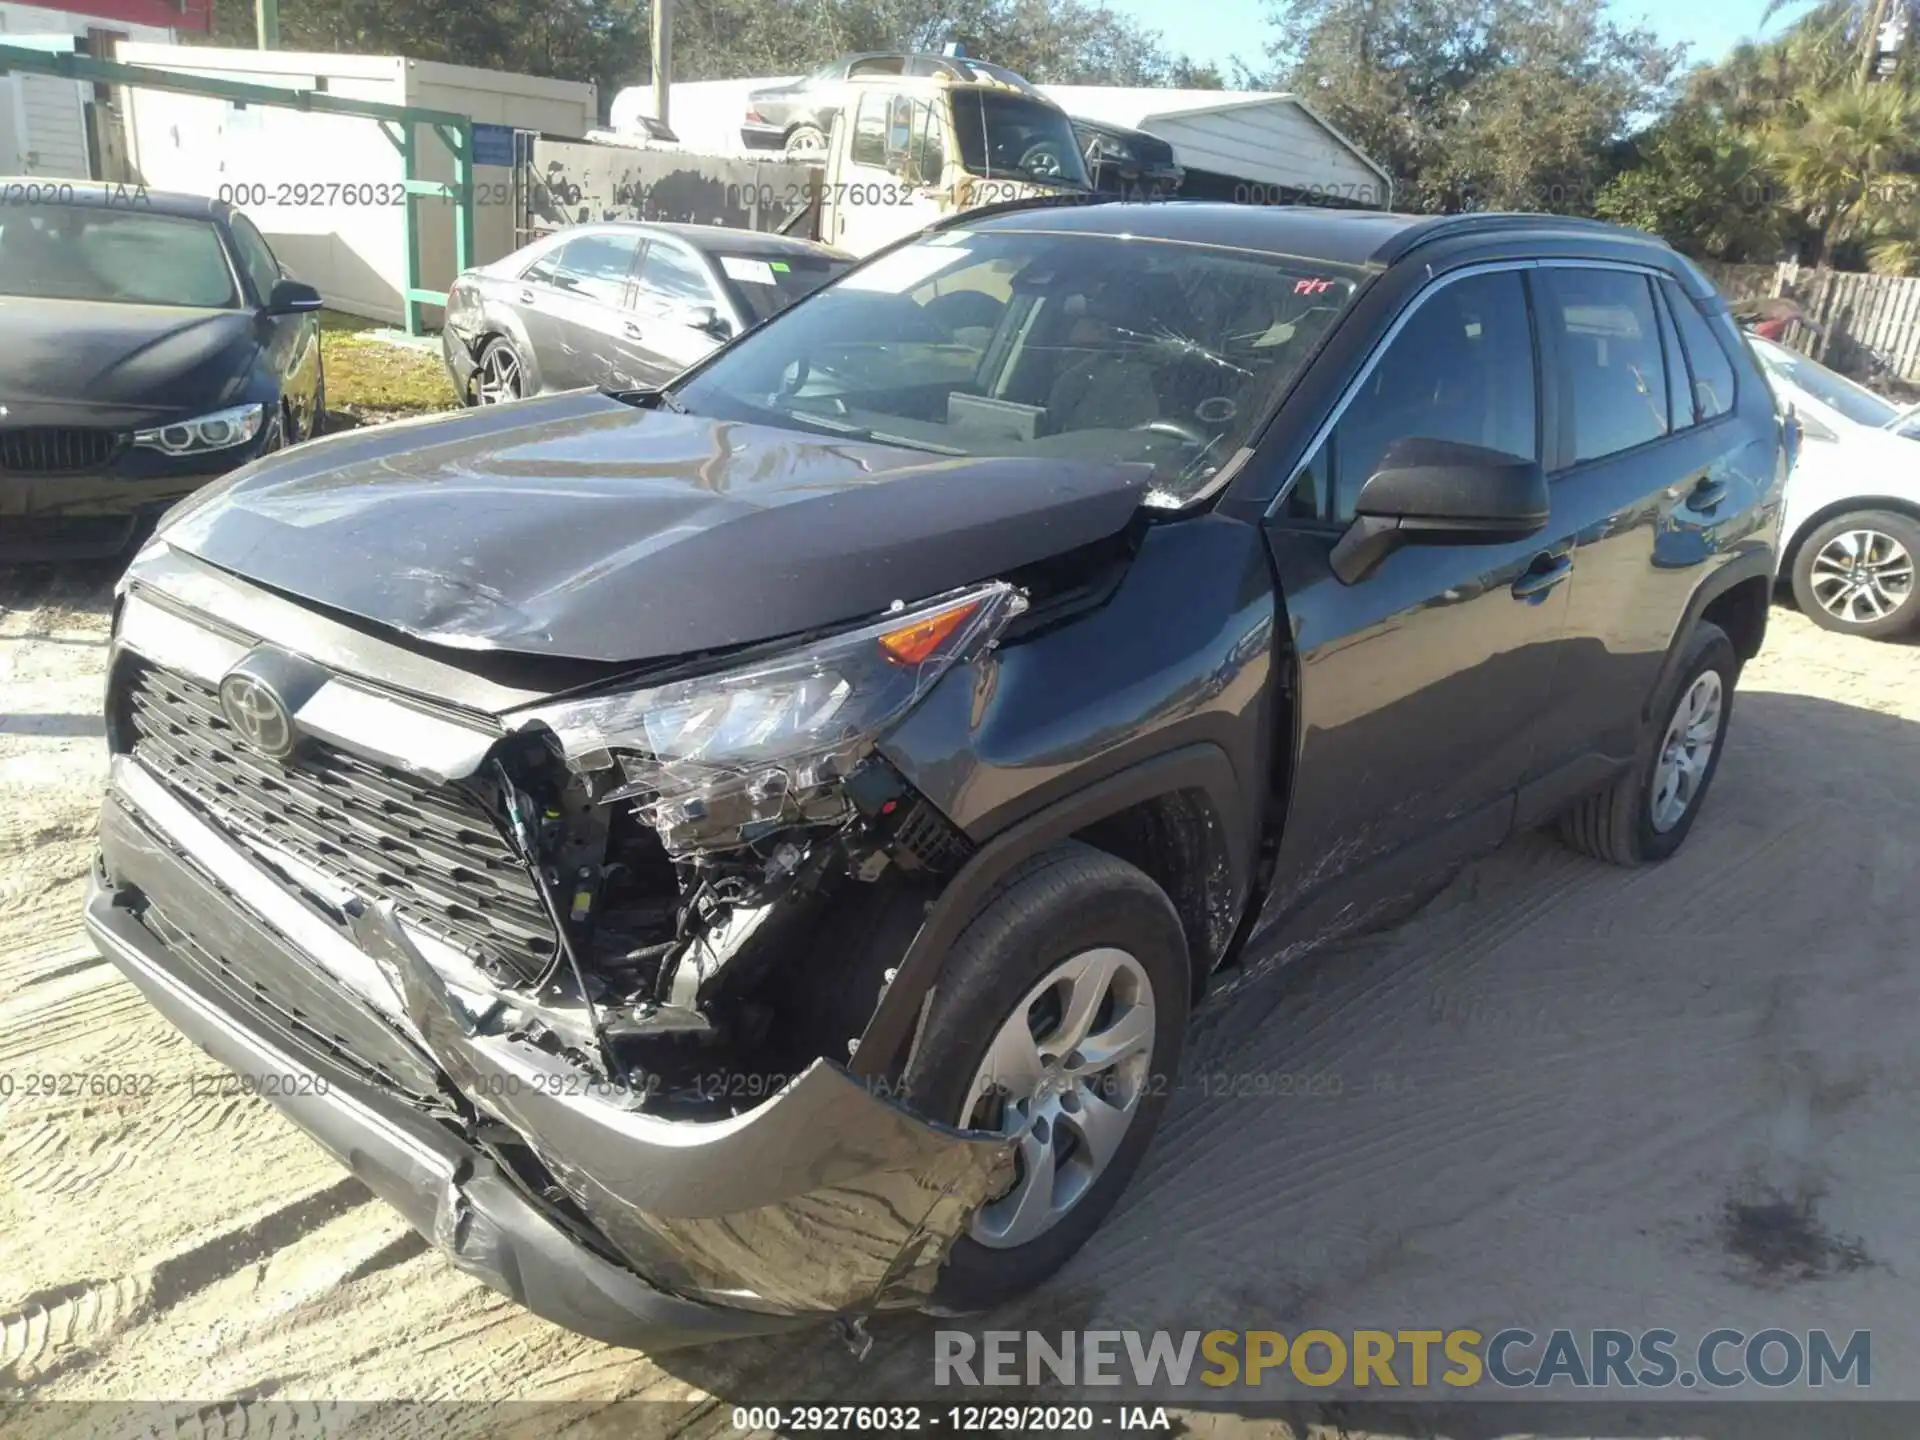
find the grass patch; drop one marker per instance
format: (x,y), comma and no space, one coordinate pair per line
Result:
(373,377)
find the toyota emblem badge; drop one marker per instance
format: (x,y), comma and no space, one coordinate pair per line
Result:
(258,715)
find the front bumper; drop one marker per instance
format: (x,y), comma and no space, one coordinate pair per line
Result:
(91,515)
(457,354)
(827,1199)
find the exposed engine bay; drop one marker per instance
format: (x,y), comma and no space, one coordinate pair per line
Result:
(684,978)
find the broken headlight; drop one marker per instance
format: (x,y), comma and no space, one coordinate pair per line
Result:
(724,759)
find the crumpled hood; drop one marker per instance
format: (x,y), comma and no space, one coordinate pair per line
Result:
(583,527)
(83,362)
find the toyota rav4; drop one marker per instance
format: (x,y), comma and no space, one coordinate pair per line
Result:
(745,852)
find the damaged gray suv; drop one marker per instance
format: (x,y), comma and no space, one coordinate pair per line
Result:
(736,854)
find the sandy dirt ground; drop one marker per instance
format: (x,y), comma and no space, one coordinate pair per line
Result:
(1560,1095)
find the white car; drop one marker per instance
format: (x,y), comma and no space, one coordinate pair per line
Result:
(1851,533)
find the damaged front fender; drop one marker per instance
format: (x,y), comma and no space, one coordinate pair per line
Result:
(829,1197)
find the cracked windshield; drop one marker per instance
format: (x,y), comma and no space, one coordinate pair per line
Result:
(1068,346)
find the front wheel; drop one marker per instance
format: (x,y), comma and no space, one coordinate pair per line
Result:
(1646,813)
(1058,1022)
(498,376)
(1854,574)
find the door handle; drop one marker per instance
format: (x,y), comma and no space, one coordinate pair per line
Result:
(526,297)
(1706,495)
(1546,571)
(632,327)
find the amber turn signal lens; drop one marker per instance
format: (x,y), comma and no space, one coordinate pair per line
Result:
(921,641)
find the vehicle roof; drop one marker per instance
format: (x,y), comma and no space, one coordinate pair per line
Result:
(711,237)
(982,81)
(742,242)
(110,195)
(1347,237)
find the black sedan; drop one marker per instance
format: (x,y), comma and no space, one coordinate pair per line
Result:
(620,303)
(152,342)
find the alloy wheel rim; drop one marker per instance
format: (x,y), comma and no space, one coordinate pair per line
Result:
(1063,1078)
(1862,576)
(1686,750)
(499,376)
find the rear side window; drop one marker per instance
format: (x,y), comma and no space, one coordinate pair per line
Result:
(1712,371)
(546,267)
(1679,400)
(1460,369)
(1613,378)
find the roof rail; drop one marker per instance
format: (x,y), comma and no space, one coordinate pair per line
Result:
(1447,227)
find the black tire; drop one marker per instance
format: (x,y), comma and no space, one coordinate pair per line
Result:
(1065,901)
(1902,530)
(1617,823)
(804,139)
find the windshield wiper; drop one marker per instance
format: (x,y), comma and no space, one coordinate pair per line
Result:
(649,397)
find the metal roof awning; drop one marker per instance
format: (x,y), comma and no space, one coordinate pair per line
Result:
(1267,138)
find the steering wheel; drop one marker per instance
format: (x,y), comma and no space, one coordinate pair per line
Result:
(1181,430)
(1043,159)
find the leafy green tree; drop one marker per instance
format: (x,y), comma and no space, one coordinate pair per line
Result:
(607,41)
(1700,183)
(1475,104)
(1847,162)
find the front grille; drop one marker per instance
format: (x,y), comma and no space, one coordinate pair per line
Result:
(380,833)
(308,1009)
(57,450)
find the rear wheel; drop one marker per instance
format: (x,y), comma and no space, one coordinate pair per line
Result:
(805,140)
(1058,1023)
(1646,813)
(1855,574)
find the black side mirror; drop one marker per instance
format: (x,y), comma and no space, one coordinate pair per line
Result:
(709,320)
(1440,492)
(292,297)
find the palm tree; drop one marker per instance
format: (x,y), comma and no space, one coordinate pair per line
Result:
(1844,160)
(1853,29)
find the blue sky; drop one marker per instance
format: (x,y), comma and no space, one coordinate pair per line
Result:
(1220,29)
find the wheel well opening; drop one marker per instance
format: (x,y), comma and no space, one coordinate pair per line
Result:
(1741,611)
(1850,505)
(1176,840)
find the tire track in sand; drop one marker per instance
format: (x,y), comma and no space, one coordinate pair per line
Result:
(52,1330)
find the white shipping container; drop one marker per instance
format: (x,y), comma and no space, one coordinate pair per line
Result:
(324,188)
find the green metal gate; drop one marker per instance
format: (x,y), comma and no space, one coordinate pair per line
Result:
(398,122)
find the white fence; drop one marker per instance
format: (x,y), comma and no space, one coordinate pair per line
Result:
(1861,323)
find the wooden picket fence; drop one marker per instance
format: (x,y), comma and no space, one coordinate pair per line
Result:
(1863,325)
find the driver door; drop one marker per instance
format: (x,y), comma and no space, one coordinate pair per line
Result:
(1423,686)
(889,164)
